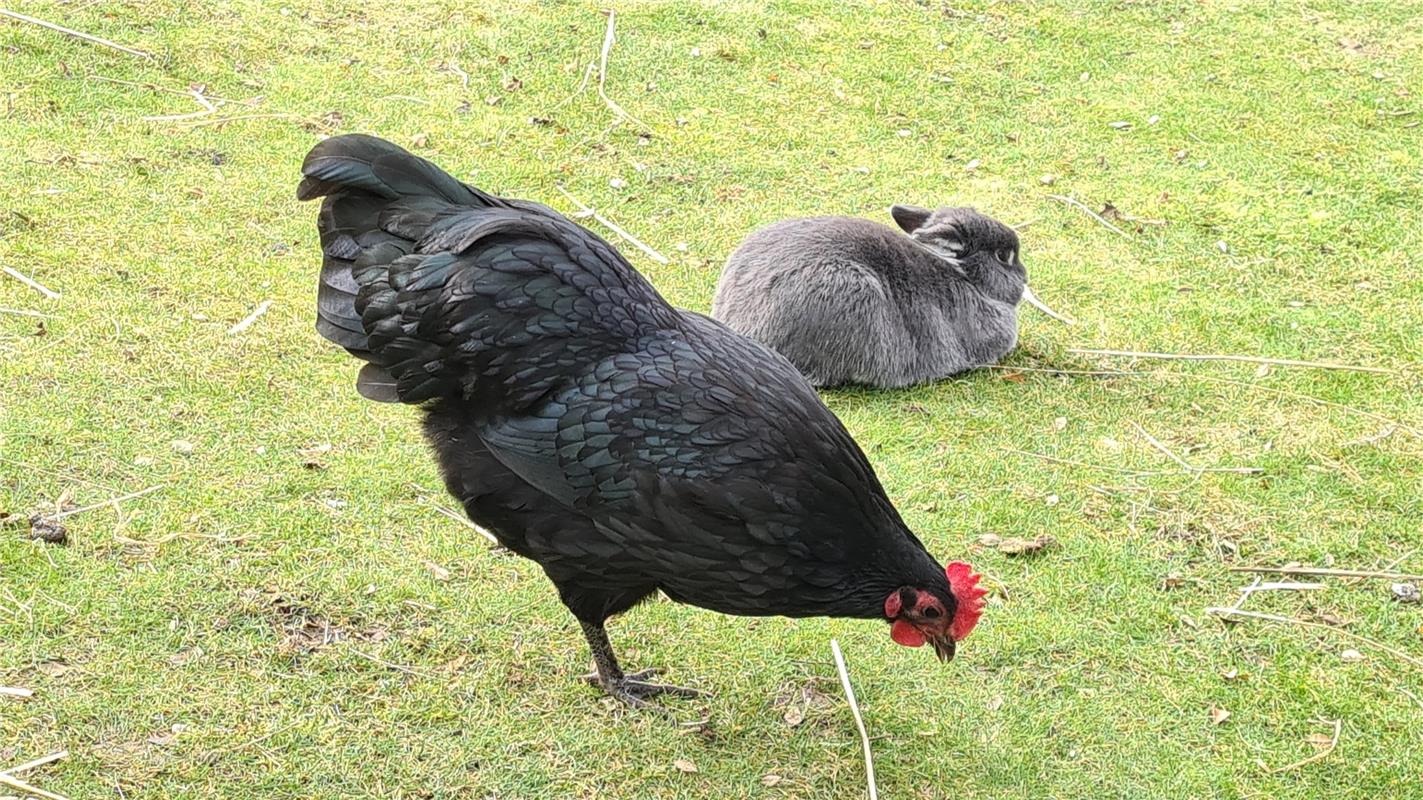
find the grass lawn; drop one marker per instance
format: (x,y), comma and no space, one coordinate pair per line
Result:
(232,633)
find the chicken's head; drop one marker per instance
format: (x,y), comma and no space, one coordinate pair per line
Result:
(918,615)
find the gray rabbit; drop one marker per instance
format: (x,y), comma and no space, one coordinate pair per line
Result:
(849,300)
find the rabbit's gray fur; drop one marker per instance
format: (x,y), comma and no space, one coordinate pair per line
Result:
(849,300)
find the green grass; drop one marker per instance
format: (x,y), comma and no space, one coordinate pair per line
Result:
(209,608)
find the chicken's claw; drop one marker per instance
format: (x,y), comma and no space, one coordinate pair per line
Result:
(634,690)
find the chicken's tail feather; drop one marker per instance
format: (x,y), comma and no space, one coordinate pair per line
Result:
(448,291)
(379,199)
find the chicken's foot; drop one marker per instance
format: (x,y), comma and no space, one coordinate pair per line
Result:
(632,689)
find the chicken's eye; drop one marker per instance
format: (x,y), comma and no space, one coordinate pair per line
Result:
(932,612)
(1005,256)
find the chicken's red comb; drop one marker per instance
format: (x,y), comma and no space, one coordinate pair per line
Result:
(963,582)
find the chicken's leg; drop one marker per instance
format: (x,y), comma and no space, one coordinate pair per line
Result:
(631,689)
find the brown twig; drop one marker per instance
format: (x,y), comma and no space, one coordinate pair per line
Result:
(1285,362)
(1033,300)
(1288,393)
(1386,567)
(1167,375)
(207,105)
(30,282)
(76,34)
(37,763)
(153,87)
(1109,373)
(247,321)
(20,312)
(390,665)
(453,66)
(603,75)
(407,98)
(1076,463)
(110,502)
(1375,438)
(15,783)
(859,721)
(633,240)
(1191,468)
(1235,612)
(1154,442)
(1333,742)
(1245,594)
(1328,572)
(587,73)
(1279,586)
(275,115)
(467,523)
(1089,212)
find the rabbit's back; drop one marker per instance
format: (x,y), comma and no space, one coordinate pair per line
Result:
(823,293)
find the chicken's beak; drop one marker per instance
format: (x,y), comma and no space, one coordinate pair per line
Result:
(943,647)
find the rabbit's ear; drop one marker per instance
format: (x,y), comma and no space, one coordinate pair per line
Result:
(910,218)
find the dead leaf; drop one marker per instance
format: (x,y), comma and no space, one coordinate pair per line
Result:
(1219,715)
(437,572)
(771,779)
(53,669)
(1351,656)
(167,737)
(183,657)
(47,529)
(1121,125)
(794,716)
(683,765)
(1014,546)
(1322,741)
(420,139)
(995,703)
(181,446)
(1173,580)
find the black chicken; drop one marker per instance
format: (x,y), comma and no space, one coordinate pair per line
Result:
(623,444)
